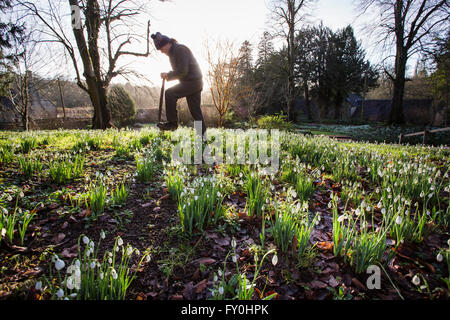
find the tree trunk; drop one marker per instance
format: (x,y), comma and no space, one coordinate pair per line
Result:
(61,96)
(26,100)
(307,102)
(91,64)
(396,114)
(401,56)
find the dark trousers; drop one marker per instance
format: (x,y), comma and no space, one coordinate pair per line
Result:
(192,90)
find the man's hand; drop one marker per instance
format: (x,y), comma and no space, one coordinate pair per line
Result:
(164,76)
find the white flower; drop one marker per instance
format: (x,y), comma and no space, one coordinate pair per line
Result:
(275,260)
(114,274)
(38,286)
(439,257)
(342,218)
(129,251)
(195,198)
(219,272)
(234,258)
(85,240)
(21,194)
(59,264)
(416,280)
(60,293)
(148,258)
(93,264)
(221,290)
(398,220)
(109,260)
(383,211)
(102,234)
(119,241)
(70,283)
(215,278)
(233,243)
(9,198)
(102,275)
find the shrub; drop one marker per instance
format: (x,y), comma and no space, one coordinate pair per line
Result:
(122,106)
(278,121)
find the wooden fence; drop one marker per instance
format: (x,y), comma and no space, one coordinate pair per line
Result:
(425,134)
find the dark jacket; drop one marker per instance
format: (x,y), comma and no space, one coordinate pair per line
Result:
(184,65)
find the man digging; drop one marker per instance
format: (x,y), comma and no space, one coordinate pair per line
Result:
(187,71)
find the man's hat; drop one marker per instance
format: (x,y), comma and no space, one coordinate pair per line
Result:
(160,40)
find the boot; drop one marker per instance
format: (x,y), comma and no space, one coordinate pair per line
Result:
(167,126)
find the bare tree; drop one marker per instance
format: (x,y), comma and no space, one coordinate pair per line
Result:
(101,31)
(26,61)
(287,14)
(407,26)
(223,60)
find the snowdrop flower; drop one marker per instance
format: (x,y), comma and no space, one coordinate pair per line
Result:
(195,198)
(234,258)
(342,218)
(398,220)
(59,264)
(60,293)
(21,194)
(219,272)
(119,241)
(215,278)
(102,234)
(102,275)
(70,283)
(439,257)
(275,260)
(148,258)
(383,211)
(416,280)
(38,286)
(129,251)
(109,260)
(85,240)
(221,290)
(233,243)
(93,264)
(114,274)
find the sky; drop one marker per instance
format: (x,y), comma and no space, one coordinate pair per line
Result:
(191,22)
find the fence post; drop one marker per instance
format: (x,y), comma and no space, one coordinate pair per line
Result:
(425,134)
(400,137)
